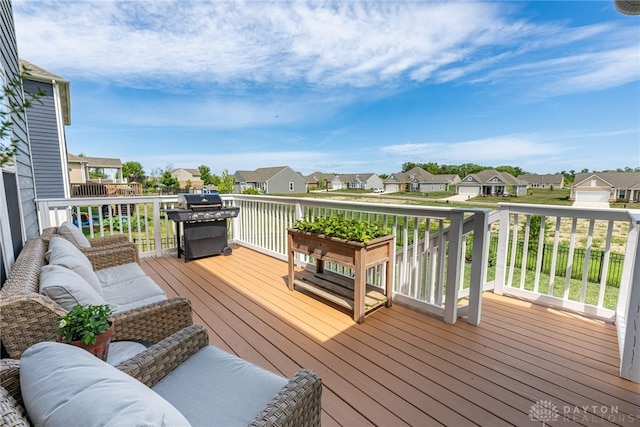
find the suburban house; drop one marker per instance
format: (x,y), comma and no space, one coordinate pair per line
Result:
(606,187)
(46,120)
(80,168)
(358,181)
(420,180)
(188,177)
(534,180)
(319,180)
(274,180)
(491,183)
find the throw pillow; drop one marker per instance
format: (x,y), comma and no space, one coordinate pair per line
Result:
(73,234)
(63,385)
(63,252)
(67,288)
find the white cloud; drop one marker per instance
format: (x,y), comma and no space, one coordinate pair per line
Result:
(511,149)
(321,45)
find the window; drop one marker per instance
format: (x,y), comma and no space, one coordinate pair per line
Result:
(291,186)
(594,183)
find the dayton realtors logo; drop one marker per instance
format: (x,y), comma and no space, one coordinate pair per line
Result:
(545,411)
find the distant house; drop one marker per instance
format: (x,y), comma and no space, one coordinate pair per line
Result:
(318,180)
(81,166)
(190,177)
(534,180)
(606,187)
(46,120)
(274,180)
(419,180)
(491,182)
(360,181)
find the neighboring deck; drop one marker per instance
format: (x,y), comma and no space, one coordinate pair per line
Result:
(401,367)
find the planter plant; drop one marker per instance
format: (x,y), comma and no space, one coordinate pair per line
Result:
(88,327)
(355,230)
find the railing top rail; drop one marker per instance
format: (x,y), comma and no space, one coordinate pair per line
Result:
(573,211)
(87,201)
(362,206)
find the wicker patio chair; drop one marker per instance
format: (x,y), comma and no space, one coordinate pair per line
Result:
(297,404)
(27,317)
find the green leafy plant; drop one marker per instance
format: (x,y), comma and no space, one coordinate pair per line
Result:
(357,230)
(83,323)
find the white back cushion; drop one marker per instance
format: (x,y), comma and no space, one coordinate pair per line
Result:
(63,252)
(73,234)
(64,385)
(67,287)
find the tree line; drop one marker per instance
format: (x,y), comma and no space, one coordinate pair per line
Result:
(135,173)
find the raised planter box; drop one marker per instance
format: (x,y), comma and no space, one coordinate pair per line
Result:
(352,294)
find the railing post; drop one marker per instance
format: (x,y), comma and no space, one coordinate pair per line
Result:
(157,238)
(297,214)
(501,253)
(479,256)
(453,268)
(628,312)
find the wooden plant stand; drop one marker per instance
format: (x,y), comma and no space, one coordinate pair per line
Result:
(353,294)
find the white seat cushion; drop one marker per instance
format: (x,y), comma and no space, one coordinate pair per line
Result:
(73,234)
(64,385)
(215,388)
(127,286)
(67,288)
(63,252)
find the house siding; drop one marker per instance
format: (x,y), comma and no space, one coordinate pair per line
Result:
(45,143)
(22,212)
(279,183)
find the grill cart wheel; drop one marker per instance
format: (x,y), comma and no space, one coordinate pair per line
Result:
(226,251)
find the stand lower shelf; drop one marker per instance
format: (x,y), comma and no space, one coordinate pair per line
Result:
(339,290)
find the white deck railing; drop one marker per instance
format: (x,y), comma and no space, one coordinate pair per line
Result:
(444,257)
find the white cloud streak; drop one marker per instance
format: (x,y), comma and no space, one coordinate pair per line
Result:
(316,45)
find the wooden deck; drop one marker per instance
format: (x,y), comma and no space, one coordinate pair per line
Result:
(401,367)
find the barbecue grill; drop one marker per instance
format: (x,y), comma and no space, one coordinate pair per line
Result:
(203,219)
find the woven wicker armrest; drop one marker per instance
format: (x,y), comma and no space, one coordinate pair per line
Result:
(10,378)
(297,404)
(114,240)
(153,322)
(156,362)
(25,320)
(111,256)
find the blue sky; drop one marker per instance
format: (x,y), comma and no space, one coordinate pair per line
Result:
(346,87)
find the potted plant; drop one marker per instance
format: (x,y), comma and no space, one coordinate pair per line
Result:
(88,327)
(354,243)
(354,230)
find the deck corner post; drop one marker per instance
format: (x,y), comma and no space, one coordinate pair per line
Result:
(454,258)
(628,312)
(503,246)
(479,258)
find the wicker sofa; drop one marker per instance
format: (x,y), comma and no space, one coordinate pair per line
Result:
(27,316)
(295,402)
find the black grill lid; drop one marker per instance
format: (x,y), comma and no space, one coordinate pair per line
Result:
(199,201)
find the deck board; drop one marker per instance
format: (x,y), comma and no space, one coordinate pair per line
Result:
(401,367)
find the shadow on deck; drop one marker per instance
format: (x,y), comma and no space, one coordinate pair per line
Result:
(401,367)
